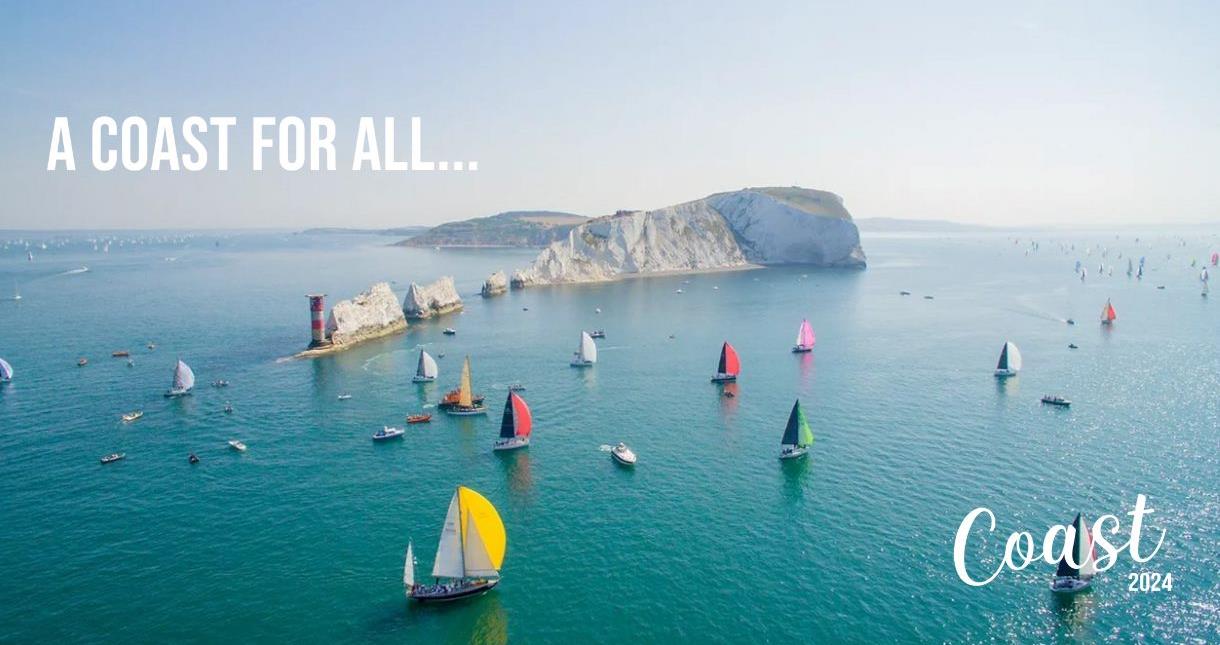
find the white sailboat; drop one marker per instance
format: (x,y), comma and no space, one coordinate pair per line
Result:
(469,555)
(1076,570)
(426,370)
(1010,361)
(6,371)
(184,381)
(586,354)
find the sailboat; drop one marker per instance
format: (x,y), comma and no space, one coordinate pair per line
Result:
(6,371)
(1076,574)
(729,366)
(466,404)
(586,354)
(1010,361)
(1203,275)
(804,338)
(797,435)
(184,381)
(1130,267)
(1108,314)
(426,371)
(469,555)
(516,425)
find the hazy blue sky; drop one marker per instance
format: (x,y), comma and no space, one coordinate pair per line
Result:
(1071,113)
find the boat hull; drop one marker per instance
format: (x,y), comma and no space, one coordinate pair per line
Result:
(465,412)
(511,443)
(801,349)
(1005,373)
(466,591)
(1069,585)
(621,460)
(388,437)
(581,364)
(174,394)
(793,453)
(724,378)
(423,379)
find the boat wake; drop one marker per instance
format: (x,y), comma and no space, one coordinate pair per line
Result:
(605,447)
(75,271)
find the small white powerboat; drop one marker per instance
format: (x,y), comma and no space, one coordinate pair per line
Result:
(344,397)
(623,455)
(449,331)
(386,432)
(113,457)
(132,416)
(237,445)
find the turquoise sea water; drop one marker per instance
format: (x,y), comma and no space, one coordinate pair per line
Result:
(709,539)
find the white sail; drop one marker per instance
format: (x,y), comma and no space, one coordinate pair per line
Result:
(6,370)
(449,552)
(427,366)
(588,348)
(1014,358)
(184,378)
(408,568)
(477,562)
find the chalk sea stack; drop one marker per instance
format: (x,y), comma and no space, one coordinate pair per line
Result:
(496,284)
(739,229)
(438,298)
(370,314)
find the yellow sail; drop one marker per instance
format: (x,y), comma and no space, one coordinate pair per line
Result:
(491,529)
(464,396)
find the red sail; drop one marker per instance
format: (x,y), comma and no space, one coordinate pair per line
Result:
(521,412)
(729,363)
(1110,313)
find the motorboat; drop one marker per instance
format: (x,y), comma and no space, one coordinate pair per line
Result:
(113,457)
(237,445)
(132,416)
(220,383)
(449,331)
(122,353)
(81,362)
(387,432)
(192,459)
(1056,400)
(1073,346)
(419,418)
(344,397)
(228,408)
(516,424)
(598,333)
(1070,321)
(904,293)
(623,455)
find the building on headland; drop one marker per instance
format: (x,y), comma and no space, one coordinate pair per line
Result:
(317,322)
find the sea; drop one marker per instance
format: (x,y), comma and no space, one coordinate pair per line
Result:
(710,538)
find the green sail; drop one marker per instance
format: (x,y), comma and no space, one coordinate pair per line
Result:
(797,433)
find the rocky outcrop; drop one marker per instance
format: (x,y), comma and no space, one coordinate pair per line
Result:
(435,299)
(371,314)
(495,284)
(721,231)
(520,280)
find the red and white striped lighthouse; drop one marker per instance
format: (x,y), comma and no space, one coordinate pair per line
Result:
(317,309)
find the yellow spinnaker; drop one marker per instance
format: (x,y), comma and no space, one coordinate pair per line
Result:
(491,529)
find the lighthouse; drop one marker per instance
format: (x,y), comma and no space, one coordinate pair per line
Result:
(317,307)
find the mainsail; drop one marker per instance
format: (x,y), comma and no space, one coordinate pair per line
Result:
(797,432)
(804,335)
(517,420)
(6,370)
(729,363)
(588,349)
(1107,313)
(427,366)
(448,562)
(184,378)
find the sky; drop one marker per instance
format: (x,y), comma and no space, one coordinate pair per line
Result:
(1079,113)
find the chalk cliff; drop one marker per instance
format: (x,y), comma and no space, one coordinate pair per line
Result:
(440,297)
(371,314)
(495,284)
(721,231)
